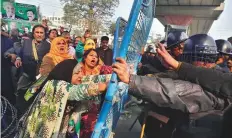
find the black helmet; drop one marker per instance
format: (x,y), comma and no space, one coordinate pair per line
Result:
(224,46)
(230,39)
(150,49)
(200,47)
(175,38)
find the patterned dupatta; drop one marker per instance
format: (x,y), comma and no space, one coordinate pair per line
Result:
(44,118)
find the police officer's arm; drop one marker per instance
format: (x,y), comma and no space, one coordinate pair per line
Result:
(158,91)
(166,92)
(211,80)
(161,91)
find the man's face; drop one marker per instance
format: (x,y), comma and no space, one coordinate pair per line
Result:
(177,51)
(30,15)
(39,34)
(45,23)
(87,35)
(104,44)
(68,38)
(77,40)
(10,10)
(52,35)
(229,62)
(14,32)
(225,57)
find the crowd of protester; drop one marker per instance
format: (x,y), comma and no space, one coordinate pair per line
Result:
(31,61)
(57,83)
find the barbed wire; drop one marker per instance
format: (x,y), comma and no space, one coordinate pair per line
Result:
(7,109)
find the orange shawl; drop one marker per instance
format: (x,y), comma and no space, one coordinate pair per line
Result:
(55,54)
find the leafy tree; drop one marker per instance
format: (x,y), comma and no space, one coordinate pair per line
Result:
(97,12)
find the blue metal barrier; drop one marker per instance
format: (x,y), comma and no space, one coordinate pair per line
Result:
(129,38)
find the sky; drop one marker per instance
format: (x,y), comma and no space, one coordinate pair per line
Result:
(221,28)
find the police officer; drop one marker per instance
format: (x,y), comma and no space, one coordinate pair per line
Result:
(175,43)
(200,50)
(225,51)
(229,64)
(146,66)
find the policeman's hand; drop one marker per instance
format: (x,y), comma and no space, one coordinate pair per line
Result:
(121,69)
(166,57)
(18,63)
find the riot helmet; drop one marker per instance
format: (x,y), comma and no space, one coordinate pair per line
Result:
(175,38)
(200,47)
(224,47)
(150,50)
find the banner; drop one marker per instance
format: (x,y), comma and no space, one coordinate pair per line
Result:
(18,11)
(18,16)
(22,26)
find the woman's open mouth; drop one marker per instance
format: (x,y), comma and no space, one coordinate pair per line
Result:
(62,49)
(93,62)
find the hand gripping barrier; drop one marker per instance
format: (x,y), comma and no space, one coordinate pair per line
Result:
(129,38)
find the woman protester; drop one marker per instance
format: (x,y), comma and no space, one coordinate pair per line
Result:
(83,46)
(89,66)
(48,117)
(57,54)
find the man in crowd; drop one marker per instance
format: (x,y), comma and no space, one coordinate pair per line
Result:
(106,54)
(14,33)
(52,34)
(29,58)
(77,39)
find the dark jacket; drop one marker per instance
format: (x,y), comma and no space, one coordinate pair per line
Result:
(43,49)
(106,55)
(215,81)
(176,94)
(6,81)
(29,64)
(224,67)
(151,65)
(16,49)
